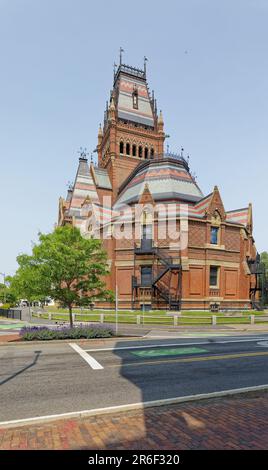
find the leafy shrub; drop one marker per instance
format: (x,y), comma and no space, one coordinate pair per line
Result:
(31,333)
(6,306)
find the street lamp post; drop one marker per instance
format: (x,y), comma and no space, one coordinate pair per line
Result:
(4,277)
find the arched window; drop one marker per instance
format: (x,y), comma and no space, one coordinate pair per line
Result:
(121,147)
(134,150)
(127,148)
(146,152)
(152,153)
(140,151)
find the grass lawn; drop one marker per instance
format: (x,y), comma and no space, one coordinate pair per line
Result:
(155,317)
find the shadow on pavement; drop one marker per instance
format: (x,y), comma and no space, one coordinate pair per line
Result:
(32,364)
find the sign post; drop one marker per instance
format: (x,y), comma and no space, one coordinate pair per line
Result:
(116,309)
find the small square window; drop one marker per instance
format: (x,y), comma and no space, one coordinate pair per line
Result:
(214,276)
(214,235)
(135,99)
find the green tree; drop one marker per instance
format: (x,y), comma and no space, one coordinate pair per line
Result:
(6,293)
(64,266)
(264,260)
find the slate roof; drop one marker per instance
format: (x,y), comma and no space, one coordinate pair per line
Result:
(102,178)
(238,216)
(129,80)
(84,187)
(167,179)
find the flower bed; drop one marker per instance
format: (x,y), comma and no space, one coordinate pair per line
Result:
(33,333)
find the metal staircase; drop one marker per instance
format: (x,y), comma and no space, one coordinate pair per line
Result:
(165,283)
(161,282)
(260,286)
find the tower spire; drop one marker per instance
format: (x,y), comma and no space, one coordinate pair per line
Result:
(144,67)
(121,50)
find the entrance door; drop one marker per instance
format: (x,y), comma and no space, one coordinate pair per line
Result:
(146,240)
(146,276)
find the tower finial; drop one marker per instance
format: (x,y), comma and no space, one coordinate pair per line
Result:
(120,54)
(160,119)
(145,60)
(83,153)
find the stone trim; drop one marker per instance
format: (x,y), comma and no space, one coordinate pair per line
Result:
(223,299)
(213,262)
(207,246)
(214,247)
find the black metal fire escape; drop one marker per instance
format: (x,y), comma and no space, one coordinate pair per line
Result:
(165,279)
(257,268)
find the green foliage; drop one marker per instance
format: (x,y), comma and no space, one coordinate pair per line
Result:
(6,306)
(64,266)
(264,260)
(85,332)
(7,295)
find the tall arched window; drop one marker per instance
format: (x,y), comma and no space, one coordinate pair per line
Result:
(146,152)
(127,148)
(134,150)
(121,147)
(152,153)
(140,151)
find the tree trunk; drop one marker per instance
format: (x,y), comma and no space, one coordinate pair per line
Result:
(71,316)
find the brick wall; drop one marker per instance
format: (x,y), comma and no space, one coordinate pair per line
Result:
(232,238)
(197,233)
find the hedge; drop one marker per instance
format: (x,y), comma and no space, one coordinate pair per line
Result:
(32,333)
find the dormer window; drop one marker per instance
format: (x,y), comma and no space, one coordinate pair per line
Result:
(135,98)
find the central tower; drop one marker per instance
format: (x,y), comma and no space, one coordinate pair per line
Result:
(132,131)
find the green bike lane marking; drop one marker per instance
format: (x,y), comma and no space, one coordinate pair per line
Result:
(11,326)
(168,352)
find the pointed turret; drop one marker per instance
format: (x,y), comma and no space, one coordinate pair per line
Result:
(250,218)
(160,122)
(100,134)
(112,109)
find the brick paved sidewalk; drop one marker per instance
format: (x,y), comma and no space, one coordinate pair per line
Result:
(239,422)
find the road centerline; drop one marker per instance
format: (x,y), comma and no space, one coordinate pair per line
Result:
(215,357)
(89,359)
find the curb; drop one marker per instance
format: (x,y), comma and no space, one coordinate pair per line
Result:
(129,407)
(64,341)
(128,337)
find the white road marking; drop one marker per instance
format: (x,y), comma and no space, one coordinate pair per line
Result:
(263,343)
(164,345)
(89,359)
(130,406)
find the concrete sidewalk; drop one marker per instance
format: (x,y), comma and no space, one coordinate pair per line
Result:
(239,422)
(12,334)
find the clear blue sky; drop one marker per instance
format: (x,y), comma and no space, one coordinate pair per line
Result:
(208,65)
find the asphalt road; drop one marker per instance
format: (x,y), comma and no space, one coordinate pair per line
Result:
(44,379)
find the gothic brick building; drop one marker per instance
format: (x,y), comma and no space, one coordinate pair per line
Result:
(206,257)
